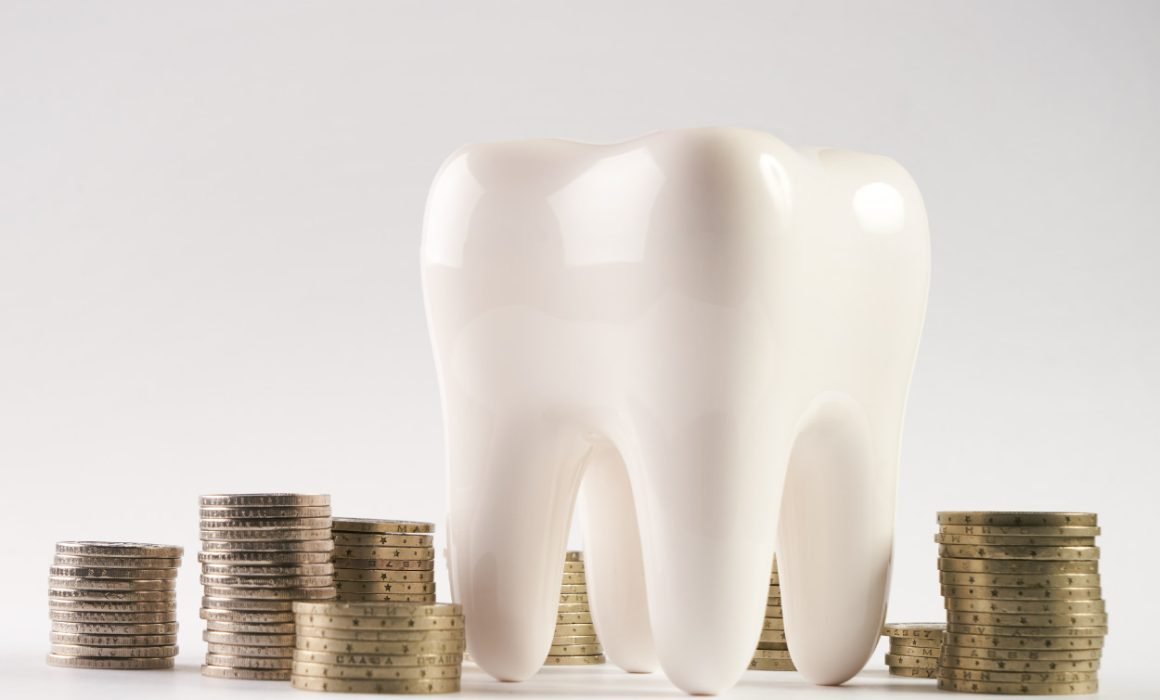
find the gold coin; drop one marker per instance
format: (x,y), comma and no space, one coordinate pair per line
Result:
(266,652)
(391,553)
(574,649)
(94,652)
(758,664)
(1022,631)
(966,674)
(590,660)
(88,572)
(1017,566)
(1022,654)
(361,539)
(566,618)
(120,549)
(1040,643)
(81,560)
(979,551)
(266,559)
(111,596)
(772,646)
(341,626)
(246,604)
(263,512)
(378,660)
(930,652)
(933,642)
(771,654)
(773,611)
(113,640)
(1018,593)
(573,639)
(385,597)
(384,587)
(910,661)
(303,668)
(272,546)
(245,674)
(1018,619)
(406,687)
(925,630)
(990,687)
(912,672)
(1026,530)
(573,556)
(574,579)
(385,647)
(112,628)
(772,636)
(574,567)
(566,598)
(384,576)
(1030,607)
(248,640)
(1018,519)
(250,628)
(949,578)
(280,535)
(110,584)
(112,606)
(1014,540)
(575,630)
(341,562)
(127,617)
(247,662)
(382,526)
(574,588)
(1018,665)
(566,608)
(137,664)
(300,593)
(375,610)
(772,623)
(263,500)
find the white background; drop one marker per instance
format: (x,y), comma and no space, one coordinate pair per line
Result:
(209,225)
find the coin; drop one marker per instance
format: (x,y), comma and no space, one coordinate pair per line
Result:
(263,524)
(759,664)
(130,617)
(925,630)
(341,563)
(385,586)
(119,549)
(1025,519)
(913,672)
(575,660)
(110,573)
(771,654)
(111,606)
(574,579)
(337,627)
(933,642)
(911,661)
(381,526)
(931,652)
(280,535)
(1014,540)
(1030,607)
(395,660)
(1027,530)
(574,588)
(375,610)
(384,647)
(281,545)
(422,629)
(1018,619)
(1042,643)
(250,628)
(568,618)
(980,551)
(1022,654)
(573,598)
(114,562)
(266,581)
(407,687)
(1017,566)
(265,559)
(574,649)
(247,674)
(1023,631)
(773,611)
(113,640)
(772,636)
(378,575)
(246,604)
(123,652)
(1020,593)
(304,668)
(386,597)
(573,630)
(568,640)
(115,663)
(95,628)
(763,646)
(262,571)
(279,500)
(247,661)
(966,674)
(369,539)
(258,512)
(249,640)
(110,596)
(353,552)
(772,623)
(572,608)
(574,567)
(265,652)
(110,584)
(312,593)
(245,616)
(573,556)
(1081,688)
(1020,580)
(1018,664)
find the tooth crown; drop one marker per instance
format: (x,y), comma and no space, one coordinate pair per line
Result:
(690,323)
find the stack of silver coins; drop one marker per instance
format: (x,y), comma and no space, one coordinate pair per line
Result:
(914,648)
(575,642)
(407,648)
(260,553)
(1025,613)
(113,605)
(384,560)
(772,652)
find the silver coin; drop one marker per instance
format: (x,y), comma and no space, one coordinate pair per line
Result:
(250,628)
(120,549)
(246,661)
(246,604)
(246,558)
(314,593)
(109,573)
(263,500)
(111,584)
(249,640)
(111,596)
(245,616)
(114,562)
(275,534)
(113,640)
(261,512)
(266,581)
(265,652)
(123,664)
(115,606)
(272,545)
(113,652)
(114,628)
(265,524)
(130,617)
(243,570)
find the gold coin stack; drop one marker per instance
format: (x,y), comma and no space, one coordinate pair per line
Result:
(260,553)
(575,642)
(1024,608)
(113,605)
(384,561)
(373,647)
(772,652)
(914,648)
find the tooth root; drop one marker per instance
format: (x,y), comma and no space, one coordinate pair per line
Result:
(513,482)
(834,596)
(613,565)
(707,503)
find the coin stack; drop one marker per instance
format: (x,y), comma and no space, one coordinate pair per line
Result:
(384,561)
(1024,608)
(914,648)
(772,652)
(113,605)
(575,642)
(260,553)
(378,647)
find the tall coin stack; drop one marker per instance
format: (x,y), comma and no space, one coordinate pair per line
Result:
(1024,609)
(914,648)
(371,647)
(260,553)
(113,605)
(575,642)
(384,561)
(772,652)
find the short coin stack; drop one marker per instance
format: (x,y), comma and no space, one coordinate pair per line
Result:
(575,642)
(113,605)
(260,553)
(384,561)
(914,648)
(371,647)
(1024,608)
(772,651)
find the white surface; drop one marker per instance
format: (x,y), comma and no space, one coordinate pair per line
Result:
(209,233)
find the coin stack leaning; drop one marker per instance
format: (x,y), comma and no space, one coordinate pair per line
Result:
(1024,608)
(260,553)
(378,647)
(113,605)
(914,648)
(384,560)
(772,652)
(575,642)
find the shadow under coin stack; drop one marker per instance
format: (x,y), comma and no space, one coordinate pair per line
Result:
(575,642)
(260,553)
(113,605)
(384,560)
(1024,609)
(772,652)
(405,648)
(914,648)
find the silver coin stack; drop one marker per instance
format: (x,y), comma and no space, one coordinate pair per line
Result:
(575,642)
(113,605)
(260,553)
(772,653)
(384,561)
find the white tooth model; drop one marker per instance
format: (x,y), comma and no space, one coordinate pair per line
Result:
(708,333)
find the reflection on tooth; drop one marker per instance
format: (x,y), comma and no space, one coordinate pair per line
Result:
(682,327)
